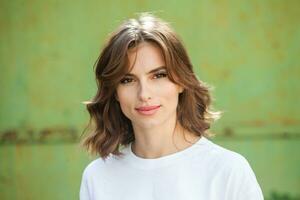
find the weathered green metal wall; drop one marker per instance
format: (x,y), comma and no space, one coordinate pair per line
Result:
(248,50)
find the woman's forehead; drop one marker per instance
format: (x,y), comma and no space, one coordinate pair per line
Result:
(145,56)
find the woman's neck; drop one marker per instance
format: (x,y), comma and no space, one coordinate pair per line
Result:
(158,142)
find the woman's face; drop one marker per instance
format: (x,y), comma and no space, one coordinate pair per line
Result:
(146,95)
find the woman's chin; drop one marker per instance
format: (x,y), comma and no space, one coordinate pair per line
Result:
(147,124)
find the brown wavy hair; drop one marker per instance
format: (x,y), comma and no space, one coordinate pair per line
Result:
(108,127)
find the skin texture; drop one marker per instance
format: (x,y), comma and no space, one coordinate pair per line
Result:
(153,130)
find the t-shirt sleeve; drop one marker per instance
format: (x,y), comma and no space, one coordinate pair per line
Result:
(84,192)
(242,183)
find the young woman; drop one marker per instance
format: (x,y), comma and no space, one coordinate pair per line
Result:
(150,120)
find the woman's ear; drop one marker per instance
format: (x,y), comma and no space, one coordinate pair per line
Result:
(180,89)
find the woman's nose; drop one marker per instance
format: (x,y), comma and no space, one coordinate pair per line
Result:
(144,92)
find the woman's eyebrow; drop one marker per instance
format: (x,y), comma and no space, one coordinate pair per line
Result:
(156,69)
(150,72)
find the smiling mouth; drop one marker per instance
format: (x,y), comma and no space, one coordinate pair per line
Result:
(149,110)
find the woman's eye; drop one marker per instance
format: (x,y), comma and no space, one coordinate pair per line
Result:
(126,80)
(160,75)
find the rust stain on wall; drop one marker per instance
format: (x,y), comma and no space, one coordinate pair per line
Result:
(46,135)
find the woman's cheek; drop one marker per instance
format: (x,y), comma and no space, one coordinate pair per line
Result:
(126,97)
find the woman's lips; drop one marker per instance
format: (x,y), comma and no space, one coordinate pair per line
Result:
(147,110)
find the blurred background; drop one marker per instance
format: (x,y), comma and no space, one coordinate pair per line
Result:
(248,50)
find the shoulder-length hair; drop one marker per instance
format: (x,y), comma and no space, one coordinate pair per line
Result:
(109,127)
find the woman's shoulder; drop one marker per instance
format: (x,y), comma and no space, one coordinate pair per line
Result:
(100,166)
(91,167)
(235,169)
(224,157)
(95,166)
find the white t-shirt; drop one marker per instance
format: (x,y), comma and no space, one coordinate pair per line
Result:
(203,171)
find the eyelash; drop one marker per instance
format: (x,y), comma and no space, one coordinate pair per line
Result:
(125,80)
(157,75)
(161,74)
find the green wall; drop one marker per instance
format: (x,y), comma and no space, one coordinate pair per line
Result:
(247,50)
